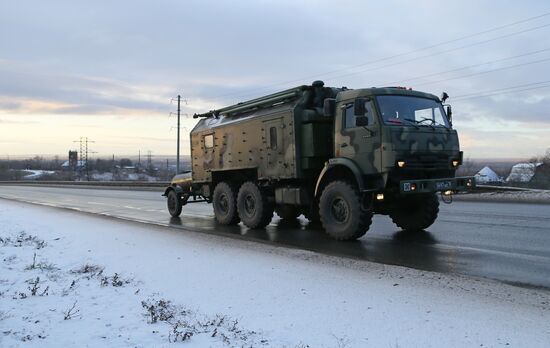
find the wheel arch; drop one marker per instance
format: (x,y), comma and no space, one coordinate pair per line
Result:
(341,169)
(175,188)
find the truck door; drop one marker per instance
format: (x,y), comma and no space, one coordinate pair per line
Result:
(273,160)
(357,142)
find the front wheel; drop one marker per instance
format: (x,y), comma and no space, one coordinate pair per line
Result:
(342,214)
(174,203)
(415,213)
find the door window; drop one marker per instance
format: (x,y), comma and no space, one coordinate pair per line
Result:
(209,141)
(273,138)
(349,117)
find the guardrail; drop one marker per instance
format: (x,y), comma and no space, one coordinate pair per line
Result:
(493,188)
(477,189)
(87,183)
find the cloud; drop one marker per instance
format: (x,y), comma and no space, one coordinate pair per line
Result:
(129,58)
(4,121)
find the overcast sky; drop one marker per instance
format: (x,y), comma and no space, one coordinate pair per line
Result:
(107,70)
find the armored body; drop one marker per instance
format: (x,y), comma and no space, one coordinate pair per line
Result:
(336,155)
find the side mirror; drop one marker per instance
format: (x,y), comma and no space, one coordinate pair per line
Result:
(359,106)
(329,107)
(361,121)
(444,96)
(450,115)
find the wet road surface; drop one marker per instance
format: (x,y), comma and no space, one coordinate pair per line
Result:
(502,241)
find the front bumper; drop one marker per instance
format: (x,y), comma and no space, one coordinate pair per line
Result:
(462,183)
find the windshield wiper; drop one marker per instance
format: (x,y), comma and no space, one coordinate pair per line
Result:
(424,119)
(412,122)
(434,122)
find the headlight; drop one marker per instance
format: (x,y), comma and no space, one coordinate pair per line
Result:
(401,164)
(455,163)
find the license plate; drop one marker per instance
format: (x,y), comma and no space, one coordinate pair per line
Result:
(443,185)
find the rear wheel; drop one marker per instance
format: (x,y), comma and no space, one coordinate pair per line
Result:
(288,212)
(415,213)
(254,208)
(342,214)
(224,201)
(174,203)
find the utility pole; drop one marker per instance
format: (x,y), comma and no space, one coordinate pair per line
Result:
(149,160)
(80,154)
(86,159)
(83,154)
(178,151)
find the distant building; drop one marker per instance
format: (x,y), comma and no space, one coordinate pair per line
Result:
(73,158)
(523,172)
(487,176)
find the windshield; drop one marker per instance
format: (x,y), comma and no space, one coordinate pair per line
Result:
(407,110)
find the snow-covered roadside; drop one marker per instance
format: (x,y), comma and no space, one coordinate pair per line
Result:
(138,285)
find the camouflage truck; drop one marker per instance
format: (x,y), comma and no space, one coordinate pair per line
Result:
(336,155)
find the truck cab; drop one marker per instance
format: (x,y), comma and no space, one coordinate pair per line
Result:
(396,134)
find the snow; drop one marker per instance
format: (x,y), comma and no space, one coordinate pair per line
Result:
(36,174)
(102,176)
(122,276)
(486,175)
(522,172)
(79,164)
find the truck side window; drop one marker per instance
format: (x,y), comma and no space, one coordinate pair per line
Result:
(273,138)
(349,119)
(209,141)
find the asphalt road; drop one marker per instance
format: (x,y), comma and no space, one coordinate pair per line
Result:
(502,241)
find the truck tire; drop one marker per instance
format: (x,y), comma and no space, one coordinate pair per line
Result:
(341,212)
(288,212)
(224,201)
(254,208)
(416,213)
(174,203)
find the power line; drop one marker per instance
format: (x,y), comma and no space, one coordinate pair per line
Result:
(502,91)
(442,52)
(461,96)
(464,67)
(484,72)
(427,55)
(411,52)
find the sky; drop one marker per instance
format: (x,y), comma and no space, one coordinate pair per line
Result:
(108,70)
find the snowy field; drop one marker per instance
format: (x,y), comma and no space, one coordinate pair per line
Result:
(69,279)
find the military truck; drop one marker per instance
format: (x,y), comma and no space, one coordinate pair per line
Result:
(335,155)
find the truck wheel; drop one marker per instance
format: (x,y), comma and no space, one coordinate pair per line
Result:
(341,212)
(224,201)
(416,213)
(254,208)
(288,212)
(174,203)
